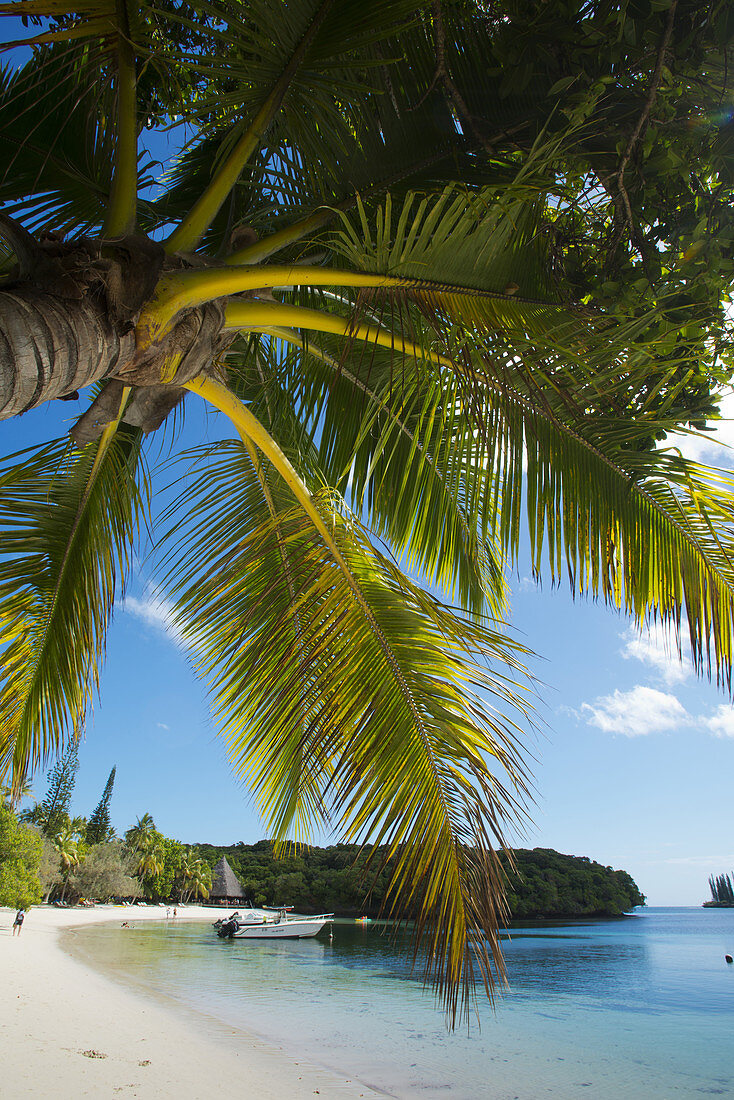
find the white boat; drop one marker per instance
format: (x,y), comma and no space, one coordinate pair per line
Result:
(270,924)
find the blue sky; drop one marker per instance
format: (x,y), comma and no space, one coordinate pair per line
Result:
(633,767)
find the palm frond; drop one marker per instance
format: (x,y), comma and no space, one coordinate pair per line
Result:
(372,718)
(484,241)
(649,532)
(68,521)
(389,434)
(59,151)
(300,56)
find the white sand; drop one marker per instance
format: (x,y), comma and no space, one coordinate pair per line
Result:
(67,1031)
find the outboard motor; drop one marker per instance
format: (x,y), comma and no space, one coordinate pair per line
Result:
(227,929)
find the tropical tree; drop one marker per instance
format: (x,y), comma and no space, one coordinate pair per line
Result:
(201,881)
(10,797)
(67,849)
(150,861)
(434,262)
(186,871)
(106,872)
(20,856)
(141,835)
(195,876)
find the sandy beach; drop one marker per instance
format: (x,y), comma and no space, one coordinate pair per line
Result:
(68,1031)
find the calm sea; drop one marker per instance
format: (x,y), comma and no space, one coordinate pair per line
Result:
(641,1007)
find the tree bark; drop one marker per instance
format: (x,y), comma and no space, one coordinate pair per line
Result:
(51,346)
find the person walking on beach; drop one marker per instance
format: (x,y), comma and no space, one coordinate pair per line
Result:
(18,922)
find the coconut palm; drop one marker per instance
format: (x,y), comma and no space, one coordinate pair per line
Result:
(366,258)
(200,880)
(150,862)
(78,826)
(10,797)
(140,837)
(66,846)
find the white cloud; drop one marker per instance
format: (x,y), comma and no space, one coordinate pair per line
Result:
(655,647)
(721,722)
(702,861)
(709,449)
(162,726)
(636,713)
(155,611)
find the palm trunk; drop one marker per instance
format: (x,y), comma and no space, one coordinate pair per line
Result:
(51,346)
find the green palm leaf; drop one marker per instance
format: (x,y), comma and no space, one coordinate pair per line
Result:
(323,705)
(67,524)
(484,241)
(57,169)
(651,533)
(390,436)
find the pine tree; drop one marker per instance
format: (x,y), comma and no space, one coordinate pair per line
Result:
(61,779)
(722,889)
(98,828)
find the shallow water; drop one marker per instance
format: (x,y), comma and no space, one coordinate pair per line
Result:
(638,1007)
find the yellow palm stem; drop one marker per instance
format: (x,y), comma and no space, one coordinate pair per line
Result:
(122,209)
(106,438)
(260,250)
(263,316)
(248,425)
(188,234)
(192,288)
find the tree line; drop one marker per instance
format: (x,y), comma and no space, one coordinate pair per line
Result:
(46,854)
(543,884)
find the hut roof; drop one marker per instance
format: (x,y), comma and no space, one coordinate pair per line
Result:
(225,883)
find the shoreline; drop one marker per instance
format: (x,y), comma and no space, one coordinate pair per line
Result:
(69,1029)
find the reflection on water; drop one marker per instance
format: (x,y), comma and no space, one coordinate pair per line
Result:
(641,1007)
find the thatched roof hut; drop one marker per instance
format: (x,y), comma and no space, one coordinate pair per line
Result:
(226,887)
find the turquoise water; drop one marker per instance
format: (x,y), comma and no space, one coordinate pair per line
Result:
(639,1007)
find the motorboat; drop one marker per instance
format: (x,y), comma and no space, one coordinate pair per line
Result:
(270,924)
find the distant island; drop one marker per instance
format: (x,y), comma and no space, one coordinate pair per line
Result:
(722,893)
(546,884)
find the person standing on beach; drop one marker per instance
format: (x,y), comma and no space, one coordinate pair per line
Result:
(18,922)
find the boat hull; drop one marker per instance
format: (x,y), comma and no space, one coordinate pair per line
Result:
(286,930)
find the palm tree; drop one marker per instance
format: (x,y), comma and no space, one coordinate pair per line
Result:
(10,797)
(142,834)
(66,846)
(196,876)
(78,826)
(200,880)
(389,257)
(151,862)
